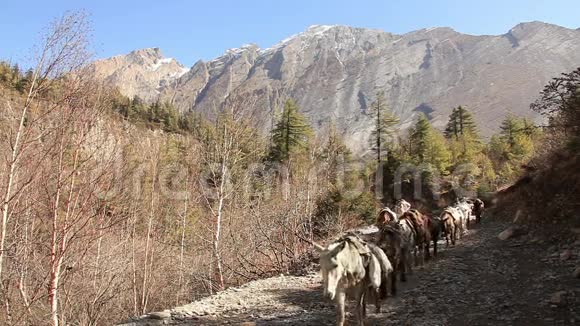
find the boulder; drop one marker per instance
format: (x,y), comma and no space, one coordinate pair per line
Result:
(160,315)
(511,232)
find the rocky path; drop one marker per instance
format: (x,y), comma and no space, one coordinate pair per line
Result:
(482,281)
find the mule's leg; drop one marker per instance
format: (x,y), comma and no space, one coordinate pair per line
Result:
(409,266)
(394,282)
(366,296)
(360,306)
(427,253)
(403,266)
(339,300)
(379,295)
(435,246)
(415,255)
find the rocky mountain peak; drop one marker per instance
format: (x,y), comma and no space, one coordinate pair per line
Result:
(140,73)
(145,55)
(244,48)
(334,72)
(533,25)
(313,30)
(536,28)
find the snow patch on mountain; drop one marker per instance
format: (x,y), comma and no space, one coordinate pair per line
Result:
(312,31)
(158,63)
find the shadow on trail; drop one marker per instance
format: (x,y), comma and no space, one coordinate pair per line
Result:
(394,310)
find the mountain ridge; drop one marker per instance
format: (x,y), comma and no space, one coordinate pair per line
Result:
(334,71)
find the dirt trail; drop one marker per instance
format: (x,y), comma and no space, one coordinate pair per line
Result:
(481,281)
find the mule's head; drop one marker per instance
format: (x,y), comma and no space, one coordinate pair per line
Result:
(389,239)
(469,205)
(402,206)
(465,201)
(331,268)
(386,215)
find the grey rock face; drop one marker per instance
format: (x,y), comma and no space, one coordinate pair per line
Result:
(334,72)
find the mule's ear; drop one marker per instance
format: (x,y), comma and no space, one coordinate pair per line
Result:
(318,247)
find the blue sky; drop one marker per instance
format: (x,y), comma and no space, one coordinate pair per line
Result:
(193,30)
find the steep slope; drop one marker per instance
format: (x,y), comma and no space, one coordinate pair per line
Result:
(333,72)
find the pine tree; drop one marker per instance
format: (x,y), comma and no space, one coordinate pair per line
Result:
(383,126)
(510,130)
(170,117)
(518,134)
(487,175)
(461,132)
(437,153)
(513,146)
(460,123)
(15,75)
(420,138)
(138,110)
(428,145)
(5,72)
(290,134)
(188,122)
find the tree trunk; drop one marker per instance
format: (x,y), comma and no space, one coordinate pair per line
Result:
(379,131)
(9,183)
(148,243)
(16,152)
(218,225)
(55,258)
(182,247)
(134,264)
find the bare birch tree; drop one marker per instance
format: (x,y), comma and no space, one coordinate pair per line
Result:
(63,50)
(228,144)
